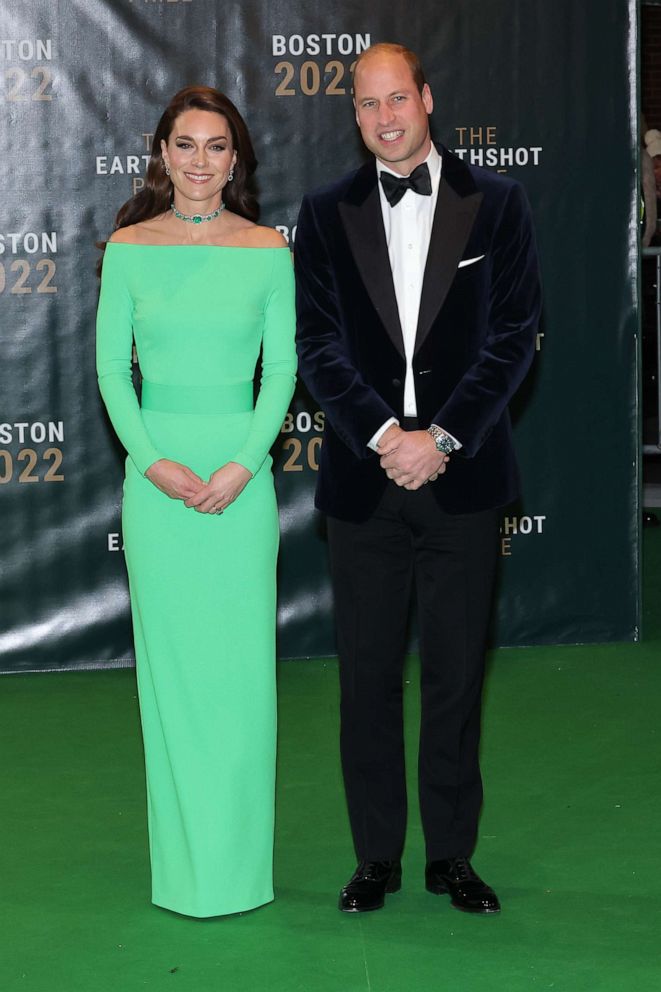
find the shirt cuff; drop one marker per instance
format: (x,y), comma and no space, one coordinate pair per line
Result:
(457,444)
(375,438)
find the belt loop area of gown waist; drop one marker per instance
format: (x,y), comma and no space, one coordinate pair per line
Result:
(226,397)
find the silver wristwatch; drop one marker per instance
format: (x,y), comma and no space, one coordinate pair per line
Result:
(443,441)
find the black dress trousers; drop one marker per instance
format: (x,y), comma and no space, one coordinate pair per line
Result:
(450,559)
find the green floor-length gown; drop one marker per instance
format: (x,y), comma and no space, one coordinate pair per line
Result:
(202,585)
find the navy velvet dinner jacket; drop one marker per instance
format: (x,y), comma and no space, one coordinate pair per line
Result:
(474,344)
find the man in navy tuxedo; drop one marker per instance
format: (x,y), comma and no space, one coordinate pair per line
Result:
(418,301)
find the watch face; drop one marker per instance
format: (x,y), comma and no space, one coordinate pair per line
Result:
(445,444)
(443,441)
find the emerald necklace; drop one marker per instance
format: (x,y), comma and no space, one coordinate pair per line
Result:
(197,218)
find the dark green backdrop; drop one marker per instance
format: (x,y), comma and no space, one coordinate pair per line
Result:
(544,91)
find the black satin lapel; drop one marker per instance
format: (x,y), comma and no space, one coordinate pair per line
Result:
(453,221)
(363,224)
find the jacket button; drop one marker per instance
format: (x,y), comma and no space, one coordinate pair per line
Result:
(397,382)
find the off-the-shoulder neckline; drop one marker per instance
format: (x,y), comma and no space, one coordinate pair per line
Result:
(136,244)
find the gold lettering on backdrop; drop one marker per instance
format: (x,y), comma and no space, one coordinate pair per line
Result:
(20,83)
(30,463)
(27,466)
(332,78)
(21,86)
(525,526)
(328,62)
(21,277)
(484,134)
(303,452)
(308,453)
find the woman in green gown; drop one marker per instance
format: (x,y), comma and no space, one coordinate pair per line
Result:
(203,291)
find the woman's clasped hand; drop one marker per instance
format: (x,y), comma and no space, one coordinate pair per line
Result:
(180,482)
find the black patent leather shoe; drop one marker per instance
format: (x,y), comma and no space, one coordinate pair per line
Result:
(366,889)
(466,889)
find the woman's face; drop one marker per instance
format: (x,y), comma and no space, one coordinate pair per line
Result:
(199,154)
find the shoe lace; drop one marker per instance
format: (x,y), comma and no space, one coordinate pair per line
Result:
(463,870)
(373,871)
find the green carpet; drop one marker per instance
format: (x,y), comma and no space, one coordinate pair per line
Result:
(569,839)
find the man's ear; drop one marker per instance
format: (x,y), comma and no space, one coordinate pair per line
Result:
(427,98)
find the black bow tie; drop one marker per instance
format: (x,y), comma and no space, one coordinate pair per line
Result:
(395,186)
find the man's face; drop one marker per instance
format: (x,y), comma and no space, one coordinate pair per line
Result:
(391,113)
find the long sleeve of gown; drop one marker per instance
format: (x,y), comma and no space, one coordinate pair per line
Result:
(278,365)
(114,348)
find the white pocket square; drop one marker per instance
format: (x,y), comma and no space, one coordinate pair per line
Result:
(469,261)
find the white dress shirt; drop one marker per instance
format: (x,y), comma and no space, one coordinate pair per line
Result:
(408,232)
